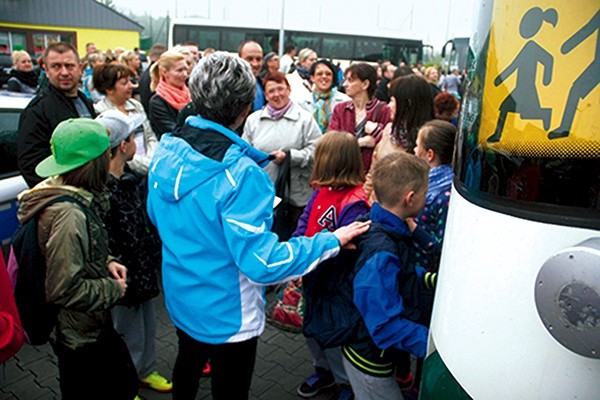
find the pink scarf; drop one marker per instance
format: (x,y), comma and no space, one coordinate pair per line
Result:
(278,114)
(177,98)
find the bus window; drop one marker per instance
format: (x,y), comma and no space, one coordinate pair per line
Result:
(370,50)
(338,47)
(302,40)
(204,37)
(230,40)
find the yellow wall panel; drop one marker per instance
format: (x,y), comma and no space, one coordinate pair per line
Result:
(103,38)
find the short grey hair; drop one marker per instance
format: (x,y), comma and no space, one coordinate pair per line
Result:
(222,86)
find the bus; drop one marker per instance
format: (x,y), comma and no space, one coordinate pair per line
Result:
(455,54)
(337,46)
(517,306)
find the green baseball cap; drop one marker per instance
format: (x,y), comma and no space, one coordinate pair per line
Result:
(74,142)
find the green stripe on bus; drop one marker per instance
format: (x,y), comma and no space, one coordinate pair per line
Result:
(438,383)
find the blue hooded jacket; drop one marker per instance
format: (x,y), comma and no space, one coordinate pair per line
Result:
(213,206)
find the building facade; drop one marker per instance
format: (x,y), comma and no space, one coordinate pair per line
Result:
(33,25)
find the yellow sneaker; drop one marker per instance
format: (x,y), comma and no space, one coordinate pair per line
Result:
(157,382)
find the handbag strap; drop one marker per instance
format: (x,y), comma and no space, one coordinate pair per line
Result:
(282,183)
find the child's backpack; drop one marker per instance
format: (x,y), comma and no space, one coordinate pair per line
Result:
(331,318)
(27,270)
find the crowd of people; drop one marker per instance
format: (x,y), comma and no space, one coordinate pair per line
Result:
(174,169)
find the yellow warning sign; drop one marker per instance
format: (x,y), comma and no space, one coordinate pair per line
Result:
(542,84)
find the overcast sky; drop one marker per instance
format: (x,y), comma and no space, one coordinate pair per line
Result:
(428,20)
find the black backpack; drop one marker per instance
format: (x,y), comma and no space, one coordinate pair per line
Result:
(330,316)
(27,265)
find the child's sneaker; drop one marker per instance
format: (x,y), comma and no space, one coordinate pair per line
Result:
(320,380)
(157,382)
(410,393)
(206,370)
(405,382)
(345,393)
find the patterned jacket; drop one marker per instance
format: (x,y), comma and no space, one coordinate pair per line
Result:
(133,240)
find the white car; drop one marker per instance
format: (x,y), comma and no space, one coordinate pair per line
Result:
(11,182)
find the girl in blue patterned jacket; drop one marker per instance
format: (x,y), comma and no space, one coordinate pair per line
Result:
(435,144)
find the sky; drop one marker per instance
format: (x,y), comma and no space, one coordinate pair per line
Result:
(431,21)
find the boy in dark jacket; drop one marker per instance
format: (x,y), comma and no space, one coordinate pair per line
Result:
(135,242)
(386,283)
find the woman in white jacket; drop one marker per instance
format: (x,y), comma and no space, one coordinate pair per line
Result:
(283,129)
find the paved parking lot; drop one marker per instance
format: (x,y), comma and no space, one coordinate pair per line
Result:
(283,361)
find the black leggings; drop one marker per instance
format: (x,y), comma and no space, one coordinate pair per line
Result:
(100,370)
(232,365)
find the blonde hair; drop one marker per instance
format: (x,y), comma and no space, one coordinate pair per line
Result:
(119,49)
(338,161)
(166,61)
(17,55)
(126,56)
(189,57)
(428,72)
(304,54)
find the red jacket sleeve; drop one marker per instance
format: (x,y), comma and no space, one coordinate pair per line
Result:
(11,330)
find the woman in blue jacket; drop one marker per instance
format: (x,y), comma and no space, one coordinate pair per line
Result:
(213,206)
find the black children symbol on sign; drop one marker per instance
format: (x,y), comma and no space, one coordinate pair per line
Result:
(524,99)
(588,79)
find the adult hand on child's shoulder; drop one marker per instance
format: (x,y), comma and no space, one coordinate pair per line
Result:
(345,234)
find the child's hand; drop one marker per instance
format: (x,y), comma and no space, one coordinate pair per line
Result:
(118,271)
(122,287)
(412,225)
(345,234)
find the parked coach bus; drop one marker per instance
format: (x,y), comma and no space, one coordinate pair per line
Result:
(338,46)
(517,307)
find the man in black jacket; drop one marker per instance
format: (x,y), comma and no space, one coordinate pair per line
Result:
(62,100)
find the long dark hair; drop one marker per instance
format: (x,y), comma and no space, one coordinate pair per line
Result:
(91,176)
(414,107)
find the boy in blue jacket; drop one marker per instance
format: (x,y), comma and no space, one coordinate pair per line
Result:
(386,281)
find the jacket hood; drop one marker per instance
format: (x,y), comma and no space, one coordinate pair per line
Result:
(177,168)
(33,200)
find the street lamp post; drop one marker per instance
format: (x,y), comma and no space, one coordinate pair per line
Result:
(281,29)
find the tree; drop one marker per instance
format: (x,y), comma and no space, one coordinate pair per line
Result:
(108,3)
